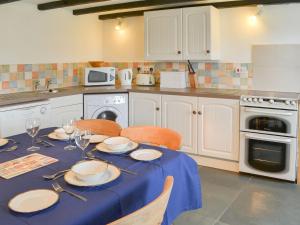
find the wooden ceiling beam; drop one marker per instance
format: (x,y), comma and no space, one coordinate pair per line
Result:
(7,1)
(131,5)
(225,4)
(65,3)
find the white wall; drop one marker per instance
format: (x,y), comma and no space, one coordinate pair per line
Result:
(126,44)
(31,36)
(278,24)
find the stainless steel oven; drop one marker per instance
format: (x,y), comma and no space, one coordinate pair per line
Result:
(268,137)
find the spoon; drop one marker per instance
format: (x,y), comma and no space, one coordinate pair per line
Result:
(10,149)
(55,175)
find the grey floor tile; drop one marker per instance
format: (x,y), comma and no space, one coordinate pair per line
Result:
(265,202)
(193,218)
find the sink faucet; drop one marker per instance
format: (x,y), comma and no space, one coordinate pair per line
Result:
(36,84)
(48,82)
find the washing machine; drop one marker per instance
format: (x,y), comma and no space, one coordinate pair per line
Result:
(107,106)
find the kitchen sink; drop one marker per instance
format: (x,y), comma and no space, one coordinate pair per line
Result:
(48,91)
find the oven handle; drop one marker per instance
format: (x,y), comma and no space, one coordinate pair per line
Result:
(268,112)
(281,140)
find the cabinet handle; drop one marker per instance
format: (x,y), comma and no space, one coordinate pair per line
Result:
(207,51)
(178,52)
(157,108)
(194,112)
(199,112)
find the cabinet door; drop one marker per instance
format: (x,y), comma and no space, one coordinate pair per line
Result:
(67,112)
(179,114)
(144,109)
(218,128)
(200,33)
(163,35)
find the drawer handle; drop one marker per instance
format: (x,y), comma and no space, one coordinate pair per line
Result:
(157,108)
(194,112)
(207,51)
(199,112)
(178,52)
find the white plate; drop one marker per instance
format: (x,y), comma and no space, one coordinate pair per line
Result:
(54,137)
(97,138)
(33,201)
(146,154)
(103,148)
(3,142)
(110,174)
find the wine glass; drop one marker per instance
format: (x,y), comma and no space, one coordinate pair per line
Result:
(32,126)
(82,139)
(69,127)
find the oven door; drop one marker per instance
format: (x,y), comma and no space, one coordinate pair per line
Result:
(269,121)
(267,155)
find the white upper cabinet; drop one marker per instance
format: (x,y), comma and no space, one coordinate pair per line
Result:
(179,113)
(181,34)
(201,33)
(144,109)
(218,128)
(163,39)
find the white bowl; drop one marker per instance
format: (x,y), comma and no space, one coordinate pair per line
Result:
(60,133)
(116,143)
(89,170)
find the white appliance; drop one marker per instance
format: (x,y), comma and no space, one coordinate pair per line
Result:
(145,79)
(107,106)
(125,76)
(173,79)
(12,118)
(269,136)
(99,76)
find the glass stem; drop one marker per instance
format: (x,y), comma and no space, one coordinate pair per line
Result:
(70,139)
(32,141)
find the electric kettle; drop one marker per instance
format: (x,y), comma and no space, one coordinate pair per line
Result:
(125,76)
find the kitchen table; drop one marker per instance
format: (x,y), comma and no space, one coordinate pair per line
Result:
(105,203)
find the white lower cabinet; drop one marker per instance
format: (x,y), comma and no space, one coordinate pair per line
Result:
(13,118)
(144,109)
(179,114)
(209,126)
(218,128)
(67,107)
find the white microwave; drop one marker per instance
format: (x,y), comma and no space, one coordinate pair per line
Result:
(99,76)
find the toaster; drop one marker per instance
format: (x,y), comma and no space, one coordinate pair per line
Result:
(145,79)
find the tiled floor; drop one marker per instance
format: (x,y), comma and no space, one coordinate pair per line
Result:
(232,199)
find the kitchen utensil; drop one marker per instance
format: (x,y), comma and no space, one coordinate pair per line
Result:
(53,176)
(32,126)
(59,189)
(125,76)
(173,79)
(89,171)
(90,155)
(33,201)
(111,174)
(116,143)
(103,148)
(146,154)
(145,79)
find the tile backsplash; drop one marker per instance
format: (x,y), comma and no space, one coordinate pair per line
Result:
(21,77)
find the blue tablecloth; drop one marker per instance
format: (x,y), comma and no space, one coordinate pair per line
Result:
(108,202)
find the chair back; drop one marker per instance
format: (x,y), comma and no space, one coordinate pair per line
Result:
(153,135)
(151,214)
(100,126)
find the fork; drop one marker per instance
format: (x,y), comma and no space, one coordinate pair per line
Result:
(59,189)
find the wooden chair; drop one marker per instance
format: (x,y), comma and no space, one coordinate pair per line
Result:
(99,126)
(153,135)
(151,214)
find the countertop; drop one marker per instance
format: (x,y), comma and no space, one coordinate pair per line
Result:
(25,97)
